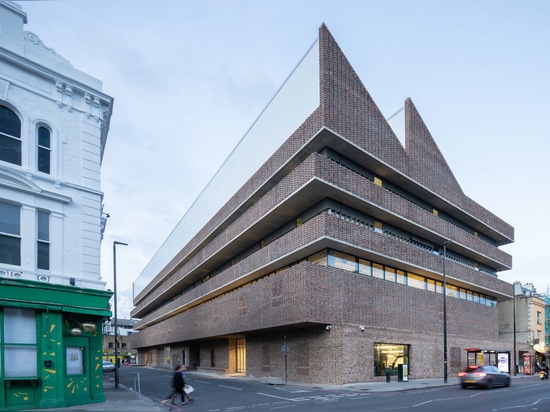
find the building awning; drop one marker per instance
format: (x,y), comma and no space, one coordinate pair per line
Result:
(46,296)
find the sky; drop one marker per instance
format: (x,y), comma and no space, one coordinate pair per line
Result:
(189,77)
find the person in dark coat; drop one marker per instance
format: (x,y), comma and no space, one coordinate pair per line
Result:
(178,383)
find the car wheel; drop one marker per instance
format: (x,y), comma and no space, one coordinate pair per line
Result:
(464,386)
(489,385)
(507,383)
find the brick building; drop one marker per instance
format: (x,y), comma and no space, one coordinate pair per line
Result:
(332,248)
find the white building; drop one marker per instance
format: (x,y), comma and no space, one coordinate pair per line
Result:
(54,121)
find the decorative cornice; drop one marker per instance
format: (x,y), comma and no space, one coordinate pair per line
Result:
(34,39)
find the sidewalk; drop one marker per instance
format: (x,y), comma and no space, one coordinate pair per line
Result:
(124,399)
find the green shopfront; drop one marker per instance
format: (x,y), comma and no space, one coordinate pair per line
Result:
(50,344)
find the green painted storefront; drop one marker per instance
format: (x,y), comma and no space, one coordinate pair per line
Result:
(50,344)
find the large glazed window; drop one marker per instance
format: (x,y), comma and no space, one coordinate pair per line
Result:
(10,234)
(10,136)
(19,342)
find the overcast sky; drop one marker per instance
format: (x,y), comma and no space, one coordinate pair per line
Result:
(189,78)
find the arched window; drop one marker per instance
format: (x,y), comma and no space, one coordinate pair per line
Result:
(43,150)
(10,136)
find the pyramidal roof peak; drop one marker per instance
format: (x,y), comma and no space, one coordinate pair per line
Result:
(348,108)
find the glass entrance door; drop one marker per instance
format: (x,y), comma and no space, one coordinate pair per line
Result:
(241,355)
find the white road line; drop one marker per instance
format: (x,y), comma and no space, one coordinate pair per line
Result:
(230,387)
(273,396)
(420,404)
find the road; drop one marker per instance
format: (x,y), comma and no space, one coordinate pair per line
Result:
(221,394)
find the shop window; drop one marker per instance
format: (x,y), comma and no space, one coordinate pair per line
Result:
(20,343)
(388,355)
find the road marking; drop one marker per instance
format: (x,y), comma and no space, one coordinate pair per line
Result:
(420,404)
(274,396)
(230,387)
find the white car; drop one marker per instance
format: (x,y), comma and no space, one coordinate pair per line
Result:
(108,366)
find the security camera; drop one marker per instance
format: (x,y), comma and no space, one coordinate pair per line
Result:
(362,328)
(327,327)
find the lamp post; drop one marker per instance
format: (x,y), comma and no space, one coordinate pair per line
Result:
(447,242)
(517,292)
(116,314)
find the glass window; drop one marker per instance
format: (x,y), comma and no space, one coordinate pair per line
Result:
(452,291)
(430,285)
(416,281)
(390,274)
(20,342)
(43,241)
(365,267)
(387,355)
(319,258)
(342,261)
(401,277)
(10,241)
(44,149)
(10,136)
(75,360)
(377,271)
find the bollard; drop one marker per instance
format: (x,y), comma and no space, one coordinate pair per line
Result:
(137,386)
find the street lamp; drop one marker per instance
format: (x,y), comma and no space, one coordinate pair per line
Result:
(518,291)
(116,314)
(447,242)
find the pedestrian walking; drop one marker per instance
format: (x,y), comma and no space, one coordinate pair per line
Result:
(187,389)
(178,383)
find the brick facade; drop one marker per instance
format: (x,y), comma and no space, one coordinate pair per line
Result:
(343,182)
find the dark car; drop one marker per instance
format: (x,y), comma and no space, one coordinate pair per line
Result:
(484,376)
(108,366)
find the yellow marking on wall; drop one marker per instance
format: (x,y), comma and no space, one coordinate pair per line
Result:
(52,327)
(52,371)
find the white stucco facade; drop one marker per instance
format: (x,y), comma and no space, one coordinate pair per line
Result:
(44,90)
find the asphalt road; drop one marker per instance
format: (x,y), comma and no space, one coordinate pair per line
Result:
(220,394)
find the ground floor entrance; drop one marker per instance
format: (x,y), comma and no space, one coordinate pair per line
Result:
(51,352)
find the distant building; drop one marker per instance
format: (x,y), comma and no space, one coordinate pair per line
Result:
(54,121)
(319,253)
(125,329)
(524,319)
